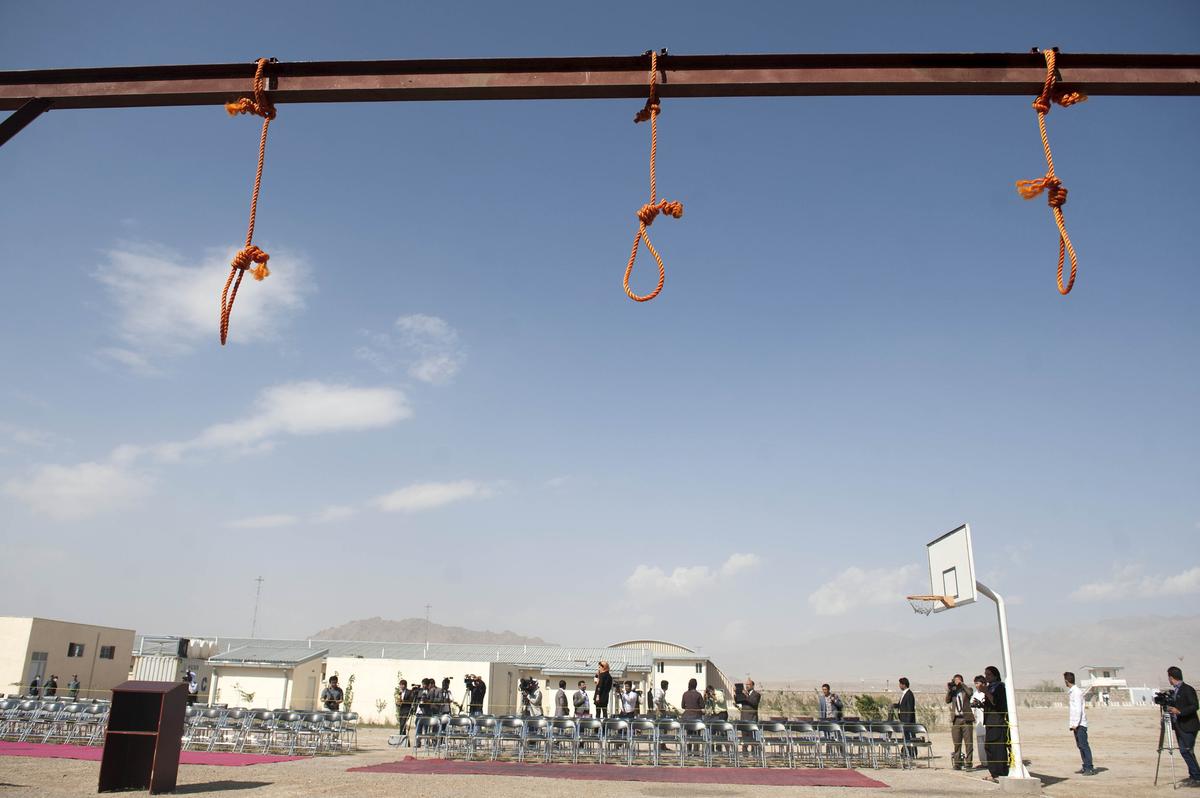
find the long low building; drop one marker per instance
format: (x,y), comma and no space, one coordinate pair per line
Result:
(253,672)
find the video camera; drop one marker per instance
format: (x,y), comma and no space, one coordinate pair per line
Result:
(527,685)
(1164,698)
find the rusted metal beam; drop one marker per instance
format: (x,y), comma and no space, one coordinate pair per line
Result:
(608,76)
(15,122)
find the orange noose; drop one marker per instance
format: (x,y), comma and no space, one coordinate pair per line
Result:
(1056,193)
(648,212)
(259,105)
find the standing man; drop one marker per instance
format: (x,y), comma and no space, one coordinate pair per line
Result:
(560,700)
(658,700)
(403,698)
(906,713)
(332,695)
(977,703)
(52,686)
(716,705)
(629,701)
(995,717)
(73,687)
(829,704)
(962,722)
(1183,716)
(478,691)
(580,700)
(35,686)
(693,703)
(748,702)
(193,687)
(1077,723)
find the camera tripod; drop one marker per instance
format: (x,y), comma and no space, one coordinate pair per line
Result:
(1166,742)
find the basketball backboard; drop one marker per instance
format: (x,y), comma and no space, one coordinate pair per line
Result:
(952,567)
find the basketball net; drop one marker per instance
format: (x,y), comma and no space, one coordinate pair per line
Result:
(925,605)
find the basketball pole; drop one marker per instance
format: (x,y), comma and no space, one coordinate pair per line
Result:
(1018,769)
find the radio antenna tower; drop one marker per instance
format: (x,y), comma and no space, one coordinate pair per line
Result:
(257,596)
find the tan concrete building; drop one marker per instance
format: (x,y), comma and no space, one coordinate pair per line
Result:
(29,647)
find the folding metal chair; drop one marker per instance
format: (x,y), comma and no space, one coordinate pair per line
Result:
(643,738)
(859,748)
(616,737)
(564,737)
(806,743)
(750,743)
(695,738)
(537,739)
(285,732)
(229,734)
(917,740)
(776,744)
(484,736)
(670,740)
(591,738)
(63,724)
(509,732)
(258,731)
(834,750)
(722,743)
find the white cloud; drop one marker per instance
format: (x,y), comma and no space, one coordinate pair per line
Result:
(166,308)
(650,580)
(430,495)
(557,482)
(136,362)
(26,436)
(297,408)
(263,522)
(1131,582)
(70,493)
(426,346)
(858,587)
(333,512)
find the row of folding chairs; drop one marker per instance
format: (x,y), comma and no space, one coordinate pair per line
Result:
(264,730)
(653,741)
(53,721)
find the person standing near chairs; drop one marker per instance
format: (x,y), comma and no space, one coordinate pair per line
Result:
(580,700)
(604,685)
(73,687)
(403,709)
(560,700)
(52,686)
(829,704)
(477,689)
(658,700)
(692,703)
(35,686)
(1077,723)
(906,713)
(629,701)
(716,706)
(995,718)
(332,695)
(962,723)
(748,702)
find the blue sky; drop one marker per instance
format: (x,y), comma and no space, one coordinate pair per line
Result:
(441,394)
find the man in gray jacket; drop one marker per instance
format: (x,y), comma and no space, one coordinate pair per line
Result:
(560,699)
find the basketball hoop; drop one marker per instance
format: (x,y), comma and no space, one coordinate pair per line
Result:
(925,605)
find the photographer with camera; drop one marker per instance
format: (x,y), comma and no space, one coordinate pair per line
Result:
(829,704)
(1180,703)
(962,723)
(531,698)
(476,690)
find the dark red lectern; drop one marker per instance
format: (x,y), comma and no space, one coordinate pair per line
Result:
(145,730)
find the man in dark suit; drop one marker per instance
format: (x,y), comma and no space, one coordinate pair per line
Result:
(1187,724)
(906,712)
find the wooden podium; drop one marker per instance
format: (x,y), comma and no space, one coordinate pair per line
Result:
(144,735)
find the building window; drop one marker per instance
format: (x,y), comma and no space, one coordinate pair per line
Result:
(74,649)
(40,656)
(1107,674)
(699,667)
(107,652)
(661,667)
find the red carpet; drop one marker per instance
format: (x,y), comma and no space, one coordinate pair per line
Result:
(51,750)
(777,777)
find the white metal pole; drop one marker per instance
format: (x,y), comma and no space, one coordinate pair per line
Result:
(1018,768)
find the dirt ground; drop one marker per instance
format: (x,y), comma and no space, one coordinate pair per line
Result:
(1123,743)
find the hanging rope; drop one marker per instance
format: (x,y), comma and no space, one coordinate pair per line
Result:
(259,105)
(1056,193)
(650,211)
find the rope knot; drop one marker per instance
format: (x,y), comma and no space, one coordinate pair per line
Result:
(252,254)
(1068,98)
(1041,105)
(650,211)
(258,107)
(649,110)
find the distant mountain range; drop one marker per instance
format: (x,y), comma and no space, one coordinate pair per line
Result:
(412,630)
(1143,646)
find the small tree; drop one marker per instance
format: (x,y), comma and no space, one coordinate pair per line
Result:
(349,697)
(869,707)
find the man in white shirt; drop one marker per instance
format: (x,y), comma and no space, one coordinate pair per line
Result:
(1077,722)
(977,699)
(658,699)
(629,701)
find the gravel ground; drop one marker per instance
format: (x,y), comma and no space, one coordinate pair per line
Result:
(1123,743)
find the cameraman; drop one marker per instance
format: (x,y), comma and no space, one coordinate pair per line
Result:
(478,690)
(531,698)
(962,723)
(1181,703)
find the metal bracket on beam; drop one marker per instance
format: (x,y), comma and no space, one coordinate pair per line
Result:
(18,119)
